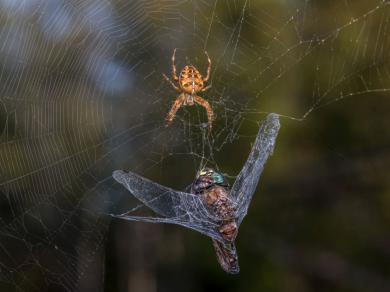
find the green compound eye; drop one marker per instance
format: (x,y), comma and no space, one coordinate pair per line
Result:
(218,178)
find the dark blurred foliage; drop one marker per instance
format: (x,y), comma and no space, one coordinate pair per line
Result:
(82,94)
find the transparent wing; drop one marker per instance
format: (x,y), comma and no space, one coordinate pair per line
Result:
(246,182)
(175,207)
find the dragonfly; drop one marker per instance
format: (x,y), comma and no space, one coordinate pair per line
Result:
(210,207)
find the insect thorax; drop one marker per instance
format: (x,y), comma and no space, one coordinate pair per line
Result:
(215,192)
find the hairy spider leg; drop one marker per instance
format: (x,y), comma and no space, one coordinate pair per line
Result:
(173,84)
(209,110)
(175,107)
(174,74)
(208,68)
(206,88)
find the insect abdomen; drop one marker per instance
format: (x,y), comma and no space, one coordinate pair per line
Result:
(217,197)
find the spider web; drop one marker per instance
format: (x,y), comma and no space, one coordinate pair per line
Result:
(82,94)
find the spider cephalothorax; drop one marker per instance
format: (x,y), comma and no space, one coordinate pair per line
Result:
(190,82)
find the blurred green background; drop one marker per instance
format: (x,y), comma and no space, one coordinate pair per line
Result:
(82,94)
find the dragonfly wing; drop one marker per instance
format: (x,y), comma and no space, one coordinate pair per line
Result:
(206,228)
(247,180)
(175,207)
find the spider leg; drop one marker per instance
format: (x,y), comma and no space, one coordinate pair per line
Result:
(174,74)
(175,107)
(208,68)
(173,84)
(206,88)
(209,110)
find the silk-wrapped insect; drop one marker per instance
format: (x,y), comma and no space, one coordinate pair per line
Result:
(211,208)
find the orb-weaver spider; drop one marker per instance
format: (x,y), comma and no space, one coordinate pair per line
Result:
(190,82)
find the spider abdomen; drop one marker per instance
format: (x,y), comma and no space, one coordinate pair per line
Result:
(190,80)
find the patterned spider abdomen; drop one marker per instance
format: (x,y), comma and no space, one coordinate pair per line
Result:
(190,80)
